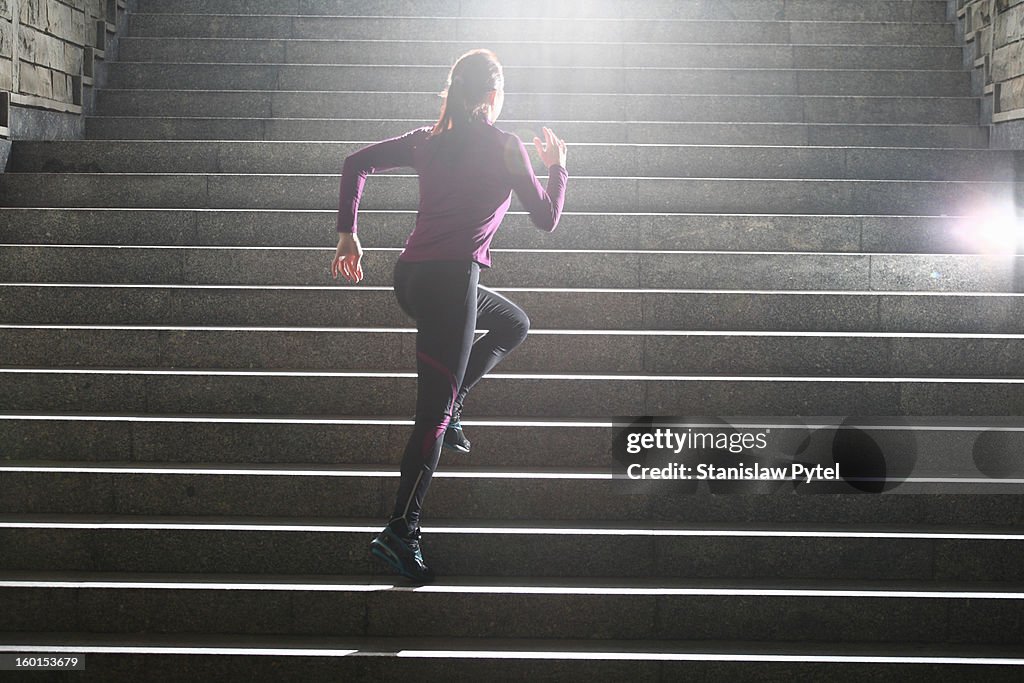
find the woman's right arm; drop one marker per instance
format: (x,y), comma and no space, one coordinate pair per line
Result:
(392,153)
(544,206)
(395,152)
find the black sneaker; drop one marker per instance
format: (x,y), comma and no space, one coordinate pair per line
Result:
(454,437)
(402,554)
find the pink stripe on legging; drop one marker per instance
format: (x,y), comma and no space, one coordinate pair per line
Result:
(428,439)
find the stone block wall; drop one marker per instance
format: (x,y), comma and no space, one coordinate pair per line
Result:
(993,35)
(48,53)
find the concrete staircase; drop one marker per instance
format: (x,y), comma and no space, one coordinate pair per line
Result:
(767,216)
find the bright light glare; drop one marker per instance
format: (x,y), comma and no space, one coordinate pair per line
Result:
(992,228)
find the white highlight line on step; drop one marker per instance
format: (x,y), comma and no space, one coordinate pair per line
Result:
(107,524)
(309,472)
(692,252)
(405,177)
(534,19)
(511,654)
(669,145)
(510,213)
(777,592)
(533,331)
(553,94)
(255,471)
(518,376)
(546,67)
(543,290)
(201,585)
(230,419)
(512,590)
(391,41)
(183,650)
(701,656)
(658,122)
(797,292)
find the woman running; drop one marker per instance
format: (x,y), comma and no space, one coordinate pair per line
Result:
(467,169)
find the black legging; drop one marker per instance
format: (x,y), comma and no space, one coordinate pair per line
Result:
(448,303)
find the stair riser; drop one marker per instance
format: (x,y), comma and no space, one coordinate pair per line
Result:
(586,160)
(542,79)
(970,452)
(408,613)
(358,307)
(487,498)
(521,555)
(394,192)
(888,31)
(888,234)
(834,10)
(425,106)
(707,133)
(850,272)
(359,396)
(768,56)
(539,353)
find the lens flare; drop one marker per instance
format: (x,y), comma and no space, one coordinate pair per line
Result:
(992,228)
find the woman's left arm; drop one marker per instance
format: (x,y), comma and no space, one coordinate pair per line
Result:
(544,206)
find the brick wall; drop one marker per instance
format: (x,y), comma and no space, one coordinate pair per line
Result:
(994,34)
(48,49)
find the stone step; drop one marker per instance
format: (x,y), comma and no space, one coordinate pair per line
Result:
(517,54)
(714,232)
(978,448)
(424,106)
(585,193)
(811,353)
(362,393)
(863,10)
(888,30)
(641,80)
(456,493)
(707,132)
(363,306)
(779,610)
(608,269)
(587,159)
(246,545)
(144,657)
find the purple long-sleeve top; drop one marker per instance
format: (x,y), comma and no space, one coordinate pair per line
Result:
(466,180)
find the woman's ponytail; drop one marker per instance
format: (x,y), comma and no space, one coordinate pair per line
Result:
(473,76)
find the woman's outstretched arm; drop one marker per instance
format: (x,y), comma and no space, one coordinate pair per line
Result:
(544,206)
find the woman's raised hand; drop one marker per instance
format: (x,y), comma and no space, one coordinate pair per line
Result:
(552,151)
(347,260)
